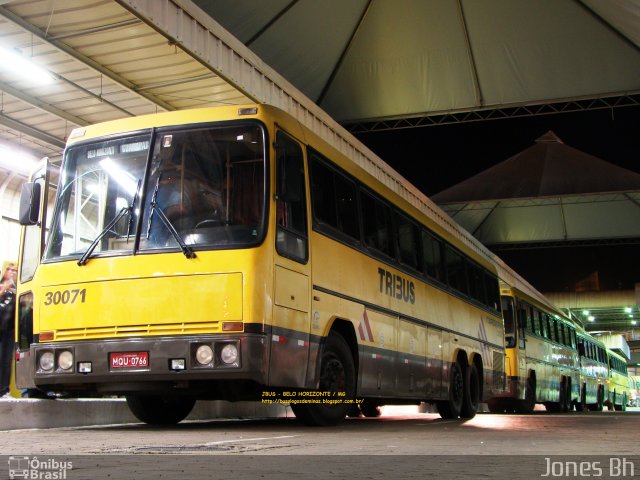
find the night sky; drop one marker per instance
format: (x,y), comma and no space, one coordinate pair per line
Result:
(437,157)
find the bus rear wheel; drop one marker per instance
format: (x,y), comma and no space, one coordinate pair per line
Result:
(156,410)
(598,406)
(452,407)
(337,374)
(580,405)
(471,398)
(622,406)
(528,404)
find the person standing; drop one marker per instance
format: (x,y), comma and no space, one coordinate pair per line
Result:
(7,325)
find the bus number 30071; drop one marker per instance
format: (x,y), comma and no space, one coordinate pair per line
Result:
(65,296)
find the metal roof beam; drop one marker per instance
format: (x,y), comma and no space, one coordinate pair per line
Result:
(100,29)
(506,111)
(35,102)
(32,132)
(123,82)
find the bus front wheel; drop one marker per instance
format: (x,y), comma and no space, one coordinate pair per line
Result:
(156,410)
(337,374)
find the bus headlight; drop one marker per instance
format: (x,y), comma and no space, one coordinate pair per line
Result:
(204,355)
(46,361)
(229,354)
(65,360)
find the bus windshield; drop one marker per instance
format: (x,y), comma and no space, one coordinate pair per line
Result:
(201,187)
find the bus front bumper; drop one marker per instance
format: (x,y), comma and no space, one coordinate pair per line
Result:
(143,364)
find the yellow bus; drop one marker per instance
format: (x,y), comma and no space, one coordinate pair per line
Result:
(230,253)
(542,363)
(618,384)
(594,372)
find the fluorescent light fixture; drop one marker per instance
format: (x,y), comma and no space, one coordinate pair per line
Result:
(591,318)
(16,160)
(585,312)
(25,68)
(627,309)
(123,178)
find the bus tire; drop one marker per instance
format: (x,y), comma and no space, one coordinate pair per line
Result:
(560,405)
(623,406)
(452,407)
(581,404)
(528,404)
(337,374)
(565,398)
(471,398)
(157,410)
(599,405)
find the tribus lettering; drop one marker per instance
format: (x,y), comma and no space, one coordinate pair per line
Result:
(396,286)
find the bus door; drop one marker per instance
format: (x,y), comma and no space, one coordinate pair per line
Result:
(289,358)
(510,335)
(33,218)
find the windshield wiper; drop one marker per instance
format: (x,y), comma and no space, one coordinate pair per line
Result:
(187,250)
(85,256)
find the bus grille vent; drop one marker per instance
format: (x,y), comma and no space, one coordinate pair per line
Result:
(139,330)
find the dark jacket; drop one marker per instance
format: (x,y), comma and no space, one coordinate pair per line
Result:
(7,311)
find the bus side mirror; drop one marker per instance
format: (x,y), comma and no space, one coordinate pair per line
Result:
(30,204)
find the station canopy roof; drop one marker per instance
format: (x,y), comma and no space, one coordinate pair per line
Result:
(549,192)
(368,60)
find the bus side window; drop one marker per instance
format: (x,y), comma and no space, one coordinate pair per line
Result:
(376,219)
(333,198)
(476,283)
(408,236)
(432,256)
(456,270)
(492,290)
(544,326)
(522,323)
(291,208)
(531,319)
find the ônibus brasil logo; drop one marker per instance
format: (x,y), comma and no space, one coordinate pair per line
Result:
(35,468)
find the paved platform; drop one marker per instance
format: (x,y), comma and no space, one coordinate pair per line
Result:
(27,413)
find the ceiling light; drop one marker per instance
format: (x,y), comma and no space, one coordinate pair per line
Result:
(585,312)
(16,160)
(591,318)
(24,67)
(627,310)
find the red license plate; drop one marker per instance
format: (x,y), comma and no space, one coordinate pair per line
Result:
(129,360)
